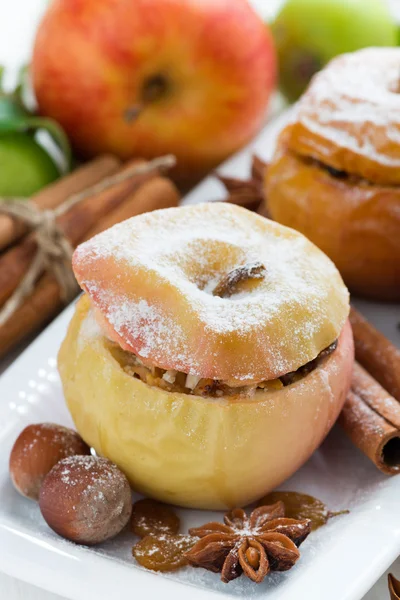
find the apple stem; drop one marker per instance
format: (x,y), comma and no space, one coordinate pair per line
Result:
(132,113)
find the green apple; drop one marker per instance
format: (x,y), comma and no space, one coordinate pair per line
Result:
(309,33)
(25,167)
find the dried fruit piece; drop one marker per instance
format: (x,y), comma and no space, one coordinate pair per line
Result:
(302,506)
(239,275)
(163,553)
(150,517)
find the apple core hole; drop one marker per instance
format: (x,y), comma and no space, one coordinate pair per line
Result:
(155,88)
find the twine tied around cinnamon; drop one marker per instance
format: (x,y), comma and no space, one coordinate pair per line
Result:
(54,251)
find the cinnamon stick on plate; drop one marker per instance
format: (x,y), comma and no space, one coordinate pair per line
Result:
(56,193)
(45,301)
(376,353)
(371,418)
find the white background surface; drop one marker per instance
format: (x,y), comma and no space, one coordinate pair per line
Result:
(18,19)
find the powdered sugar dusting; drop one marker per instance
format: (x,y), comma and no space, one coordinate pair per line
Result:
(354,103)
(89,330)
(89,471)
(164,265)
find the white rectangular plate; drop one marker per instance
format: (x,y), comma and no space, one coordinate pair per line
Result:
(340,561)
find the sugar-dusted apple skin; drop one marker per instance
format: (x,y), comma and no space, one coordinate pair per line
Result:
(150,280)
(309,33)
(148,77)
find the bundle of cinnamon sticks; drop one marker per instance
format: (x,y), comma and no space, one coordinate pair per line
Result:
(141,193)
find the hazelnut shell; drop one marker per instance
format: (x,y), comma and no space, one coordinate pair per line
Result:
(35,452)
(86,499)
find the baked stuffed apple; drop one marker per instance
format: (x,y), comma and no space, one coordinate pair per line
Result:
(335,175)
(210,354)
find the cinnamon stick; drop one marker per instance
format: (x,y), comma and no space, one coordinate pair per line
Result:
(45,302)
(55,193)
(152,195)
(74,224)
(37,310)
(373,394)
(374,436)
(376,353)
(371,418)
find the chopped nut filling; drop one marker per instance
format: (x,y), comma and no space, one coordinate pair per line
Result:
(176,381)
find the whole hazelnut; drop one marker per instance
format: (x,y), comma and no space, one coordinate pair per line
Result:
(35,452)
(86,499)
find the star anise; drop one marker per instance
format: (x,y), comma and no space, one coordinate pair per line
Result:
(255,545)
(248,193)
(394,587)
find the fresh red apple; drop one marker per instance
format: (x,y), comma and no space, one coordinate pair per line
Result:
(149,77)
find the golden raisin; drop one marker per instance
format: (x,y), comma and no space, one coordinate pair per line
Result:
(150,517)
(164,553)
(302,506)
